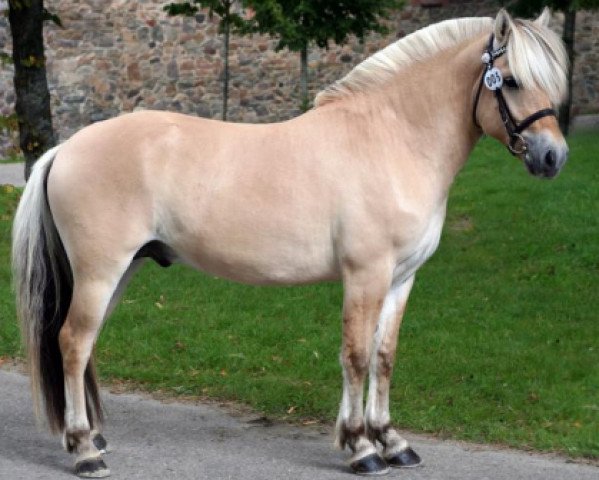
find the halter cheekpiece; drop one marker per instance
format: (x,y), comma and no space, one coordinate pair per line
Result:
(493,80)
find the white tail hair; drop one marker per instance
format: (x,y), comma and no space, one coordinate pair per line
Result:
(33,263)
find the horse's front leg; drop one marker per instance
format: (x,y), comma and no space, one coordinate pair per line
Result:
(396,450)
(364,293)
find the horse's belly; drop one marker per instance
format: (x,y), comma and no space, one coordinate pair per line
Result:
(260,260)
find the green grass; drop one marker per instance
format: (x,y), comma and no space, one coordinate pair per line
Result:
(13,158)
(500,342)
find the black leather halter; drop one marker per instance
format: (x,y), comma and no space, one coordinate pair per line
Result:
(517,144)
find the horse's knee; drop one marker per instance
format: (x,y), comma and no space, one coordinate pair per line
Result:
(385,360)
(355,362)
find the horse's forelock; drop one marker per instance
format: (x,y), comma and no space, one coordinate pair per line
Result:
(537,59)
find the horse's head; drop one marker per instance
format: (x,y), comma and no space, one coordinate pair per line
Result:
(524,78)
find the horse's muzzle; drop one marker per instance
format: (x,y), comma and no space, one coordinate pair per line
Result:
(544,156)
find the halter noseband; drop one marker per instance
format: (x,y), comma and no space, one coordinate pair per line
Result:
(493,80)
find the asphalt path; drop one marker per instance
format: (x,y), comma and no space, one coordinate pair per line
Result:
(12,174)
(151,439)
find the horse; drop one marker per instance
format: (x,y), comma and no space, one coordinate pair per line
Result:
(355,190)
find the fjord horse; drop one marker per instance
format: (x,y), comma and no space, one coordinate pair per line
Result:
(355,189)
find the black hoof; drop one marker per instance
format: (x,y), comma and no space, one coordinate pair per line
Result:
(92,468)
(100,443)
(405,459)
(372,464)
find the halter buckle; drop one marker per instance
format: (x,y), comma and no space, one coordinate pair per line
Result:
(517,140)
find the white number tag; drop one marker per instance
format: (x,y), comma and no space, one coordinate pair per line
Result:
(493,79)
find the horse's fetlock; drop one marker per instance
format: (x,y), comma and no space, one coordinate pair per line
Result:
(77,440)
(68,444)
(348,435)
(340,440)
(377,430)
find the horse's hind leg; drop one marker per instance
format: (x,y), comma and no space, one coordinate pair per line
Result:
(364,292)
(98,438)
(93,289)
(396,451)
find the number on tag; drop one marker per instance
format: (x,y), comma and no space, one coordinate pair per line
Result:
(493,79)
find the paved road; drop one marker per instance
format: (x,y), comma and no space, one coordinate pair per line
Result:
(154,440)
(12,173)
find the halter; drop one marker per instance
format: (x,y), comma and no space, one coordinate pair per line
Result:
(493,80)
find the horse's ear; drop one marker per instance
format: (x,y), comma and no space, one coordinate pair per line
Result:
(544,18)
(503,25)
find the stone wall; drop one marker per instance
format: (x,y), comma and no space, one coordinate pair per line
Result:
(585,87)
(7,94)
(117,56)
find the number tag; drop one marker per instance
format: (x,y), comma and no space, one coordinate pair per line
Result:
(493,79)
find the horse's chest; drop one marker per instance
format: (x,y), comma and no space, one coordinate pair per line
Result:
(419,248)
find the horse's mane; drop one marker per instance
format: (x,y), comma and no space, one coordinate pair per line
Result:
(536,57)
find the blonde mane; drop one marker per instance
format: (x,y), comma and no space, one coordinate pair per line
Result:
(536,57)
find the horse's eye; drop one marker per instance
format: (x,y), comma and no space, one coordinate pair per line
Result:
(511,83)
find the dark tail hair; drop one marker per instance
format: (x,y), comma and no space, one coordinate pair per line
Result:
(43,282)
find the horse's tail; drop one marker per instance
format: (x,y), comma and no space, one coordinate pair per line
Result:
(43,283)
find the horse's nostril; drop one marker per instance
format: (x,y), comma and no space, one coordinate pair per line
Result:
(550,158)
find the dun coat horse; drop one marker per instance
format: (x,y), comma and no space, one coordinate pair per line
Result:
(355,189)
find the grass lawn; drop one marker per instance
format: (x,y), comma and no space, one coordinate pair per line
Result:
(12,159)
(500,342)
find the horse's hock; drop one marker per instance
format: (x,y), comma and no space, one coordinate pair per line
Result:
(116,56)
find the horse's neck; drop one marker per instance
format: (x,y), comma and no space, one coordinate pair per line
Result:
(433,102)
